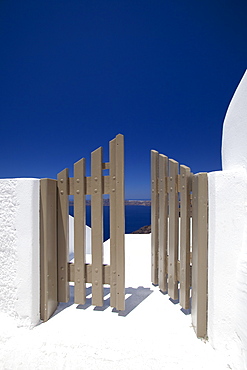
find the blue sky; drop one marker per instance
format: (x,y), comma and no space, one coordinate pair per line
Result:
(73,74)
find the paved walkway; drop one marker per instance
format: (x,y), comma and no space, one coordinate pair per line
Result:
(152,333)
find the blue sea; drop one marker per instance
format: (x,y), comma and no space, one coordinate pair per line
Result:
(135,218)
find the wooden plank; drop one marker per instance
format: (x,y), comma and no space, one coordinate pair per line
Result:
(178,270)
(120,223)
(173,230)
(63,235)
(163,215)
(97,226)
(178,183)
(88,273)
(154,216)
(185,187)
(199,253)
(106,166)
(88,186)
(71,186)
(48,248)
(106,184)
(88,191)
(113,233)
(79,231)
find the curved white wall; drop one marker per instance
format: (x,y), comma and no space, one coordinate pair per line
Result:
(227,259)
(234,139)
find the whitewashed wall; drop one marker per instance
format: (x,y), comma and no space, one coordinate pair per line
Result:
(19,249)
(227,284)
(71,238)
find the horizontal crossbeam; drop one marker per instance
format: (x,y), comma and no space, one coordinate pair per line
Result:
(88,273)
(88,188)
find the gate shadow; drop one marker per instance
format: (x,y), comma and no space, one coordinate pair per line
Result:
(134,297)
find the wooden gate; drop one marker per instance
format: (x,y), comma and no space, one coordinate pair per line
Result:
(56,271)
(179,236)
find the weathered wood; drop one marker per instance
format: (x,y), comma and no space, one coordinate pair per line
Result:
(183,266)
(79,231)
(88,186)
(88,273)
(106,166)
(120,223)
(97,226)
(185,188)
(199,253)
(63,235)
(48,248)
(113,234)
(79,272)
(88,191)
(173,230)
(106,184)
(71,186)
(154,217)
(162,225)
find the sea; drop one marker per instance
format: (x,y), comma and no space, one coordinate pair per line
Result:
(135,218)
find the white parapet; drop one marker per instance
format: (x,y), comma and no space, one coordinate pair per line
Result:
(227,259)
(19,250)
(227,224)
(71,238)
(234,138)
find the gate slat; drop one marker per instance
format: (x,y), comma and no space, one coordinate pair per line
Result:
(48,248)
(173,230)
(120,223)
(154,216)
(199,253)
(79,231)
(163,214)
(97,226)
(63,235)
(113,236)
(185,236)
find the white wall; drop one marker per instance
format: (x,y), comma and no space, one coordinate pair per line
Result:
(71,238)
(227,278)
(234,138)
(19,249)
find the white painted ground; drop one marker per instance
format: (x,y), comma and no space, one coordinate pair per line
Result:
(152,333)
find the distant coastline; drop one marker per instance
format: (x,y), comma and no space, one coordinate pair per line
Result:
(106,202)
(136,216)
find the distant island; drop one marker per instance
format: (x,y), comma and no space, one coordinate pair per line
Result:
(138,202)
(106,202)
(143,230)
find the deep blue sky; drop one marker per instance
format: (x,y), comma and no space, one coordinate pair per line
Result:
(73,74)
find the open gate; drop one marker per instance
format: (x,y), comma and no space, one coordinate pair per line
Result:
(56,270)
(180,236)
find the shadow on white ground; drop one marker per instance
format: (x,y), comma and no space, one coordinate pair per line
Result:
(133,296)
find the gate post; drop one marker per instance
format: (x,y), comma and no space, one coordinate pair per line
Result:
(63,235)
(117,223)
(97,226)
(199,253)
(154,215)
(48,248)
